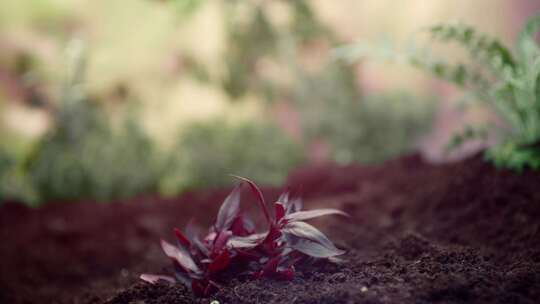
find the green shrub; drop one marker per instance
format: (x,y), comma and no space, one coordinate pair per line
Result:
(14,183)
(370,129)
(509,83)
(208,152)
(359,128)
(85,156)
(327,98)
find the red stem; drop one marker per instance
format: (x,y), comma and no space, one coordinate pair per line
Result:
(260,197)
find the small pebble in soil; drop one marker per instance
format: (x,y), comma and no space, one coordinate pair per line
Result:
(364,289)
(214,302)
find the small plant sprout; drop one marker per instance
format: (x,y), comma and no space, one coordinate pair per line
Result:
(232,242)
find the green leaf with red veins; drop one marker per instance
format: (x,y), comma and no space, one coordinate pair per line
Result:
(309,214)
(181,256)
(154,278)
(229,210)
(305,232)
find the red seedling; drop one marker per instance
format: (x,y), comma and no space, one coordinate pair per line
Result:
(232,240)
(288,239)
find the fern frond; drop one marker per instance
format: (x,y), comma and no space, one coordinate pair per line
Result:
(484,48)
(527,45)
(513,92)
(468,133)
(458,74)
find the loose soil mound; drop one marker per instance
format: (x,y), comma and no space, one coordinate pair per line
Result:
(457,233)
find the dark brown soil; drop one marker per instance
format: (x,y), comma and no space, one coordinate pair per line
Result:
(457,233)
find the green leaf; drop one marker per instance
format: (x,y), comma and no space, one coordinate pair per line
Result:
(527,45)
(484,48)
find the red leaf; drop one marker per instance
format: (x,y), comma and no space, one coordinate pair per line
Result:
(295,205)
(192,230)
(198,287)
(221,262)
(229,210)
(309,240)
(284,198)
(153,278)
(233,238)
(181,256)
(269,242)
(182,239)
(183,277)
(220,241)
(241,226)
(210,238)
(291,205)
(245,242)
(311,248)
(201,247)
(271,266)
(279,211)
(286,273)
(259,196)
(306,231)
(306,215)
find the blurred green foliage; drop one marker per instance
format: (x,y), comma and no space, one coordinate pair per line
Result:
(208,152)
(86,156)
(329,100)
(14,183)
(509,83)
(252,38)
(187,7)
(360,128)
(89,155)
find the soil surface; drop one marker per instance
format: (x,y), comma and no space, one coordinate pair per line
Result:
(418,233)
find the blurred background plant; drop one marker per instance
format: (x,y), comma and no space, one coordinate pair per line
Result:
(167,96)
(284,62)
(85,155)
(208,152)
(508,83)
